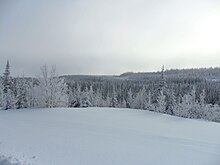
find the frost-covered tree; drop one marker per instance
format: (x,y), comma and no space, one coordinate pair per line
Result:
(1,94)
(70,97)
(107,101)
(174,94)
(190,107)
(148,104)
(74,95)
(140,99)
(21,94)
(162,82)
(184,107)
(98,99)
(202,98)
(129,99)
(86,97)
(53,89)
(194,111)
(123,104)
(114,99)
(8,96)
(33,93)
(171,102)
(161,94)
(206,111)
(161,103)
(85,102)
(177,110)
(114,102)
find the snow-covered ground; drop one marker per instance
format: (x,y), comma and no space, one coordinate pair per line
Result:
(105,136)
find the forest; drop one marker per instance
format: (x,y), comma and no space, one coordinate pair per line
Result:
(188,93)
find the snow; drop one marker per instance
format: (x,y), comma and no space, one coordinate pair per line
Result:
(105,136)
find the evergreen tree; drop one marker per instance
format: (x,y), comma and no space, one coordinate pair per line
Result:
(148,104)
(202,98)
(114,99)
(86,97)
(171,101)
(108,101)
(161,97)
(21,97)
(8,97)
(114,102)
(162,83)
(98,99)
(139,100)
(185,105)
(1,94)
(161,103)
(129,99)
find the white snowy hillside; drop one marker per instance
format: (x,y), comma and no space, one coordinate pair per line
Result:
(105,136)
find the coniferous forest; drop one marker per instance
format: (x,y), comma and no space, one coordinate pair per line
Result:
(188,93)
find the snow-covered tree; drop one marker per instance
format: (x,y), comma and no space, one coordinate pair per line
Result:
(33,93)
(139,100)
(162,82)
(1,94)
(107,101)
(161,103)
(171,102)
(194,111)
(177,110)
(124,104)
(21,96)
(70,97)
(190,107)
(114,102)
(129,99)
(160,94)
(85,102)
(53,88)
(148,103)
(114,99)
(202,98)
(171,94)
(86,98)
(98,99)
(184,106)
(8,96)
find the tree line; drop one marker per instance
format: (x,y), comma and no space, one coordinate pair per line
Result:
(189,98)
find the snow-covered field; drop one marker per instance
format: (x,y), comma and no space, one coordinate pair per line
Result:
(105,136)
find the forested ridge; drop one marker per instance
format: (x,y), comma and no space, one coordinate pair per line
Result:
(190,93)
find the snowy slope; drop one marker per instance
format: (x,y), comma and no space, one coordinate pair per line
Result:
(105,136)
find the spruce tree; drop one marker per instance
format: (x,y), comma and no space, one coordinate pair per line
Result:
(161,103)
(162,83)
(161,97)
(21,97)
(130,99)
(7,88)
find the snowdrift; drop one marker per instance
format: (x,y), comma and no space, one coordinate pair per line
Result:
(106,136)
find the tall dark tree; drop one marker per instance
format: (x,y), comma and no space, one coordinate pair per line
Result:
(162,83)
(7,88)
(161,93)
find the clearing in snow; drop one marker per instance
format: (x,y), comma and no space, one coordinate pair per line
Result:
(105,136)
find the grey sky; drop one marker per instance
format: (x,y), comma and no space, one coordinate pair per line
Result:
(108,36)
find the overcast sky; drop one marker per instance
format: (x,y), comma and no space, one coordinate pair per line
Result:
(108,36)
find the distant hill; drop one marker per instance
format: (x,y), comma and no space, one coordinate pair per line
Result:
(211,74)
(202,73)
